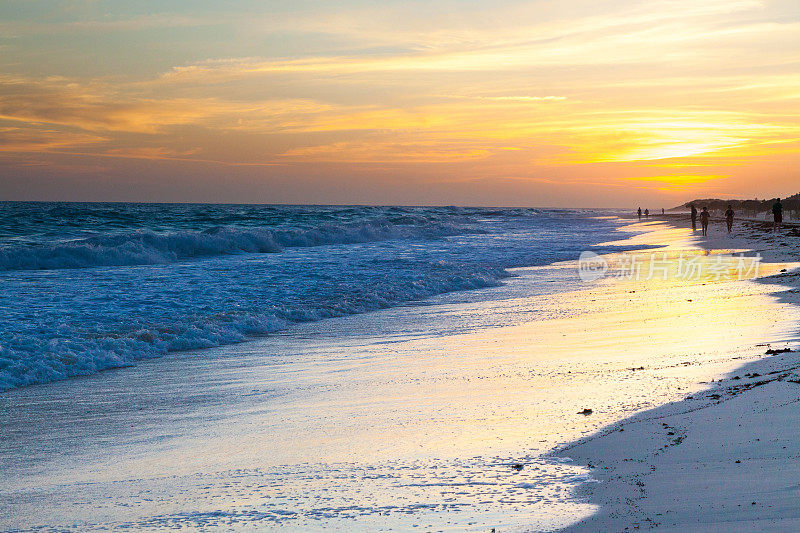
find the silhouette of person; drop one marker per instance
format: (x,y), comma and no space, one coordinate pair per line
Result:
(694,217)
(777,214)
(729,218)
(646,213)
(639,212)
(704,216)
(662,210)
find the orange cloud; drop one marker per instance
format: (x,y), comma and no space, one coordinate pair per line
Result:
(676,182)
(387,151)
(18,139)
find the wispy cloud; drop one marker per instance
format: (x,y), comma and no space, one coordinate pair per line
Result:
(22,140)
(677,182)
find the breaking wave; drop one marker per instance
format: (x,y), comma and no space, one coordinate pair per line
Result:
(171,277)
(146,247)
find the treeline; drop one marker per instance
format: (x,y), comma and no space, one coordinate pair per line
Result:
(747,207)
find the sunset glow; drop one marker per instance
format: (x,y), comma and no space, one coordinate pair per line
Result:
(535,103)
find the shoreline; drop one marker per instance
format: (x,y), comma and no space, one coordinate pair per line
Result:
(722,459)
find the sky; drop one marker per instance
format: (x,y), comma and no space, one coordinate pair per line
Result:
(540,103)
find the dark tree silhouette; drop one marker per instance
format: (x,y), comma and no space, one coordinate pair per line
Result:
(748,207)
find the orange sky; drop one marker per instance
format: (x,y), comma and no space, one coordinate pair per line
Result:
(548,103)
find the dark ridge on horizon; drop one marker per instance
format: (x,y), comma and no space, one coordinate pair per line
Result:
(790,203)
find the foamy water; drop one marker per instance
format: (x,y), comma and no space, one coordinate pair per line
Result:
(88,287)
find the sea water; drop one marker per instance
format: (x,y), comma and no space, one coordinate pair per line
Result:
(88,287)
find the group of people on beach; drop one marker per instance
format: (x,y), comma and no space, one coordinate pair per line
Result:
(777,216)
(646,212)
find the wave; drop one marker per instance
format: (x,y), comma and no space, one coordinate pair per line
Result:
(146,247)
(64,319)
(34,356)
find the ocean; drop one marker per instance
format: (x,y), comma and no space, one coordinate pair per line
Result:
(92,286)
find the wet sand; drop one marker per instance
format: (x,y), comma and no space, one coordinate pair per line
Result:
(720,460)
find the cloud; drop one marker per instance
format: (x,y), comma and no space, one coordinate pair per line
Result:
(678,34)
(27,139)
(398,151)
(106,107)
(90,106)
(676,182)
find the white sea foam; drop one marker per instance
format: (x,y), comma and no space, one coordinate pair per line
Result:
(170,278)
(39,354)
(144,247)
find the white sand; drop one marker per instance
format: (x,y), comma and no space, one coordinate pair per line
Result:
(726,459)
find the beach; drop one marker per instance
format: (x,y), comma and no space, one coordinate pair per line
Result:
(440,414)
(721,459)
(399,266)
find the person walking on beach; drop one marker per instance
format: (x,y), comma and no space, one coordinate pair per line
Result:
(777,214)
(662,211)
(640,213)
(694,217)
(646,213)
(704,216)
(729,218)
